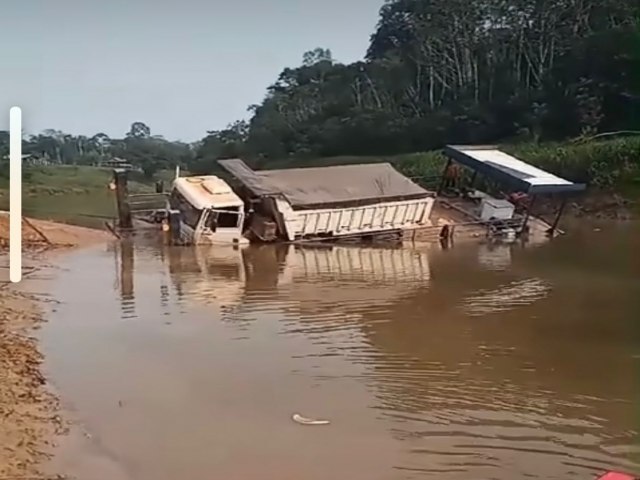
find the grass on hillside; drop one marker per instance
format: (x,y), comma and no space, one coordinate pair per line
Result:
(68,193)
(612,165)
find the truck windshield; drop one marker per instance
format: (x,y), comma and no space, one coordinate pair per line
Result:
(224,218)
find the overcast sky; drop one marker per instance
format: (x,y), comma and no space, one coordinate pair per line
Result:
(183,67)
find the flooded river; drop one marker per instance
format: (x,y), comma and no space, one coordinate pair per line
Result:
(469,363)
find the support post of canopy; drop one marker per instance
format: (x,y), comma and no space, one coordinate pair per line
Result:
(528,214)
(554,227)
(472,183)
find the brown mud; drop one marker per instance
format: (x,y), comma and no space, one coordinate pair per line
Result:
(29,412)
(41,234)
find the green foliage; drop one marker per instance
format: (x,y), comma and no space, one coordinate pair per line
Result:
(151,154)
(63,177)
(227,143)
(452,71)
(4,154)
(75,194)
(605,164)
(147,153)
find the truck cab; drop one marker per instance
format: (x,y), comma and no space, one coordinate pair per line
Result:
(210,211)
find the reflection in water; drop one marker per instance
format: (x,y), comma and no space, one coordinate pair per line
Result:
(127,297)
(213,275)
(466,363)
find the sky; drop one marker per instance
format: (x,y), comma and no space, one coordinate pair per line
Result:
(182,67)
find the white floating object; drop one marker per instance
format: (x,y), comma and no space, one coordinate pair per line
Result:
(308,421)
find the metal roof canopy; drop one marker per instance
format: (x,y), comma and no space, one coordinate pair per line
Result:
(493,163)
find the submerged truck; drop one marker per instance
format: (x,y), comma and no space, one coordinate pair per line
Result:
(347,201)
(210,211)
(300,204)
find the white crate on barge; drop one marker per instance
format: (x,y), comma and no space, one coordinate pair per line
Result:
(496,209)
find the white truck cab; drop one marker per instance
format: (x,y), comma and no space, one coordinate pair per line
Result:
(210,211)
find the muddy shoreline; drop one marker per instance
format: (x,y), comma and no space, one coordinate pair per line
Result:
(592,205)
(30,412)
(32,419)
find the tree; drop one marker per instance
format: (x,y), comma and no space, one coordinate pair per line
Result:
(4,143)
(149,153)
(227,143)
(100,142)
(316,56)
(139,130)
(4,153)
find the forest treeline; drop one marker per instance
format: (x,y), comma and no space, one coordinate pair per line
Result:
(436,72)
(460,71)
(148,152)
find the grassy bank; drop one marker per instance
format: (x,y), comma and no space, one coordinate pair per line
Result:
(73,194)
(612,165)
(610,168)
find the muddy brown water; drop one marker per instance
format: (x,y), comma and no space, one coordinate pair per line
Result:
(471,363)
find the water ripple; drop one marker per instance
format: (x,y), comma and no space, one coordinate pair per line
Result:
(507,297)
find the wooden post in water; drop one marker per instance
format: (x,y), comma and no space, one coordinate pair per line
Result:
(122,196)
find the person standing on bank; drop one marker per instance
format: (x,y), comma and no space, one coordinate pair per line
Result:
(452,177)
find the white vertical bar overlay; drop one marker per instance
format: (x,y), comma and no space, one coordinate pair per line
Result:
(15,194)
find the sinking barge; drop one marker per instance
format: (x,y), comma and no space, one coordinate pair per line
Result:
(366,201)
(485,188)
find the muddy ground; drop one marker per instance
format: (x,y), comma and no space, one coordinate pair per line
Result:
(38,234)
(29,412)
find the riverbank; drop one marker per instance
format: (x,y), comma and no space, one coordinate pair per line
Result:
(72,194)
(610,168)
(44,234)
(30,412)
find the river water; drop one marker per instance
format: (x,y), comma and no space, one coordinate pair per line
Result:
(475,362)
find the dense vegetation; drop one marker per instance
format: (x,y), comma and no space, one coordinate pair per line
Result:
(520,72)
(451,71)
(147,152)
